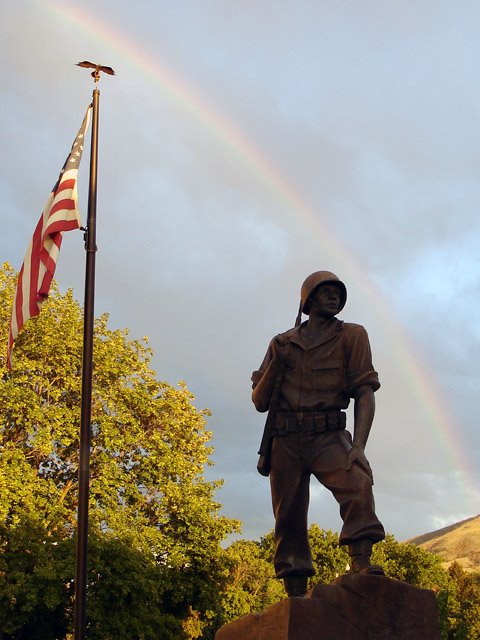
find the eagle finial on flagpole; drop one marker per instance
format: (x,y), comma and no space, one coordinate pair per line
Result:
(97,69)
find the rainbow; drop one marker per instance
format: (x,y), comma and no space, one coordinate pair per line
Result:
(417,377)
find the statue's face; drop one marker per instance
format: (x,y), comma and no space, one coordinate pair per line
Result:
(325,300)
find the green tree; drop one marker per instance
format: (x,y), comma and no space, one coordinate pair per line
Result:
(410,563)
(155,562)
(330,559)
(251,585)
(465,615)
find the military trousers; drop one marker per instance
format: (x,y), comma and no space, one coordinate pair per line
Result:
(294,458)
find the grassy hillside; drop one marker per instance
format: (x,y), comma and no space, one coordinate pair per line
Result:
(459,541)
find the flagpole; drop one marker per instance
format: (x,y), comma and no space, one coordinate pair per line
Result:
(80,619)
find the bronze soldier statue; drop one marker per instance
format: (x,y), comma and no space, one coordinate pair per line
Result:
(305,382)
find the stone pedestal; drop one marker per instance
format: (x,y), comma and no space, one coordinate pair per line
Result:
(354,607)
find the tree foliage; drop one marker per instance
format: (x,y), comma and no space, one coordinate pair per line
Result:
(250,581)
(464,609)
(410,563)
(155,562)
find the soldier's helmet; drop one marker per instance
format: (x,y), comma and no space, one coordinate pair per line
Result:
(313,281)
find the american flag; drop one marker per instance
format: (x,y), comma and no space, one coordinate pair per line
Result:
(60,214)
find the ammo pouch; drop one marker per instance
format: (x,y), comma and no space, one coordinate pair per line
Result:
(309,421)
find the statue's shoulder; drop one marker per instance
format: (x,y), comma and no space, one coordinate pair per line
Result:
(286,336)
(352,326)
(353,330)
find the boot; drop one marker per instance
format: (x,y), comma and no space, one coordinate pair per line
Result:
(296,586)
(360,553)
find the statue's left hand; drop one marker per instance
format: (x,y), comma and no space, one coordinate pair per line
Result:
(357,455)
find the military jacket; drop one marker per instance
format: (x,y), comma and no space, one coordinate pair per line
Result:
(321,374)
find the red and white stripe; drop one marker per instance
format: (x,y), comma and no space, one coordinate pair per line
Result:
(38,268)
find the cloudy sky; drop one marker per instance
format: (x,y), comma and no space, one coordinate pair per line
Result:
(243,145)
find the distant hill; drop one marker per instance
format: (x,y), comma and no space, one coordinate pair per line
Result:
(459,541)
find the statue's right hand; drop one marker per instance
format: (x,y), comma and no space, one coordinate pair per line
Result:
(280,348)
